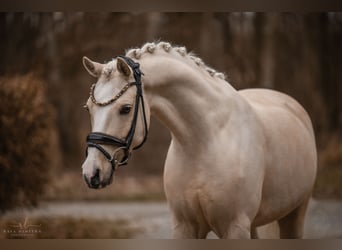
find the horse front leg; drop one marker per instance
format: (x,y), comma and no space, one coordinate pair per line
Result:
(184,231)
(238,228)
(254,233)
(237,231)
(188,230)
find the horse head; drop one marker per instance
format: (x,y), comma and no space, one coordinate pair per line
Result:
(115,106)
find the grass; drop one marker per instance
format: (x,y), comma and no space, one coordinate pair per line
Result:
(68,228)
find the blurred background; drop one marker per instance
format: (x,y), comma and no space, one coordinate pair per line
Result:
(43,87)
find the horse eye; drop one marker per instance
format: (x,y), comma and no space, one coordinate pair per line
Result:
(125,109)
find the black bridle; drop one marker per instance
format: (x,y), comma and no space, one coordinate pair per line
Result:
(96,138)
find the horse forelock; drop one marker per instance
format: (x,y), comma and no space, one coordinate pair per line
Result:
(108,68)
(153,47)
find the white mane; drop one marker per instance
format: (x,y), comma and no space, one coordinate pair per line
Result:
(167,47)
(150,48)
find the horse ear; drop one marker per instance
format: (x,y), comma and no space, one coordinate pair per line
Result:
(123,67)
(93,68)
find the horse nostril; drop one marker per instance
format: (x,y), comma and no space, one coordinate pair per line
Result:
(95,180)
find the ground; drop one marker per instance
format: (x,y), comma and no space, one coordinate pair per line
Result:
(152,220)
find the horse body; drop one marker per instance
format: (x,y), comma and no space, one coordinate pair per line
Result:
(237,159)
(290,166)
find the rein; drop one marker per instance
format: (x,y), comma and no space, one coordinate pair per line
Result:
(95,139)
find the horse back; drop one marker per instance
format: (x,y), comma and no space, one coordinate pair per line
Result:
(267,99)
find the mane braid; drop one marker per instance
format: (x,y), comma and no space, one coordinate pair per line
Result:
(150,48)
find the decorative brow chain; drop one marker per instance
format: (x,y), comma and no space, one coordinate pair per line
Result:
(117,96)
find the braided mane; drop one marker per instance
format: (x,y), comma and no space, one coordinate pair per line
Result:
(150,48)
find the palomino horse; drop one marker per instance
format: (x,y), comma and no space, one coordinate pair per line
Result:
(237,159)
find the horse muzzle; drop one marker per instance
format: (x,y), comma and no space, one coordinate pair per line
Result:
(95,177)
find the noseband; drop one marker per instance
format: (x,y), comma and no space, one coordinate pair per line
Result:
(96,138)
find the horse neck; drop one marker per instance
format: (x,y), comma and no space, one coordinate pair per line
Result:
(187,100)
